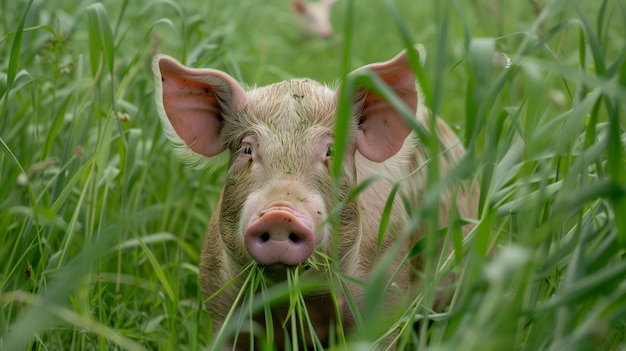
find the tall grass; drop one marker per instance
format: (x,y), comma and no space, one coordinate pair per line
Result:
(101,225)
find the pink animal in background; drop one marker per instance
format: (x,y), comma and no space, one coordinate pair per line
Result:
(279,190)
(314,17)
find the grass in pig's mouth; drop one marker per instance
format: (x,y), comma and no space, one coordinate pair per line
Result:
(316,266)
(286,287)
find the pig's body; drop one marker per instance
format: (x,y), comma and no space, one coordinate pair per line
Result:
(279,188)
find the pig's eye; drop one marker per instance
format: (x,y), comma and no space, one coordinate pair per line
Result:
(246,149)
(331,151)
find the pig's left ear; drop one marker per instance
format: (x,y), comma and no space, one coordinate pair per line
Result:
(382,130)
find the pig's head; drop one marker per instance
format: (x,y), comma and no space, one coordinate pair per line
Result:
(314,17)
(279,140)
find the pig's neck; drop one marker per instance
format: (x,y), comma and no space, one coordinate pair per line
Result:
(372,202)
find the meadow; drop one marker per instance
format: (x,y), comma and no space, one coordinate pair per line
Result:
(101,225)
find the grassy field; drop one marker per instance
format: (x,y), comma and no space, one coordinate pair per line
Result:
(101,226)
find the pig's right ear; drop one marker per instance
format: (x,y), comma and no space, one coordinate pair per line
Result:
(192,105)
(382,130)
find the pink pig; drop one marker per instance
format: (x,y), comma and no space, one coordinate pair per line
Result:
(314,17)
(279,188)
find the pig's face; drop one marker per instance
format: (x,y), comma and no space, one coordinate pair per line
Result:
(279,189)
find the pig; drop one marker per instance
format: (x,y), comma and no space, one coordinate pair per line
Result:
(274,207)
(314,17)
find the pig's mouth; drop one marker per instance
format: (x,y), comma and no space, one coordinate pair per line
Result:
(278,272)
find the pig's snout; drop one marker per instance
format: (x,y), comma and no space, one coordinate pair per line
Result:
(279,237)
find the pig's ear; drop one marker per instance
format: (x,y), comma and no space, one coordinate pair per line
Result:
(192,105)
(382,130)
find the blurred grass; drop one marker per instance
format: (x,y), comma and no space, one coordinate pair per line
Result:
(101,226)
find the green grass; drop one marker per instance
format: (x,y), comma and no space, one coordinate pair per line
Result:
(101,226)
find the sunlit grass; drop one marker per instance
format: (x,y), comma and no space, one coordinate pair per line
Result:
(101,226)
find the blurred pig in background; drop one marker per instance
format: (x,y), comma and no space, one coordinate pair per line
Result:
(314,17)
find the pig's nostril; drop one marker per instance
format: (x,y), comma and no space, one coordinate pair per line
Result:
(294,238)
(265,237)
